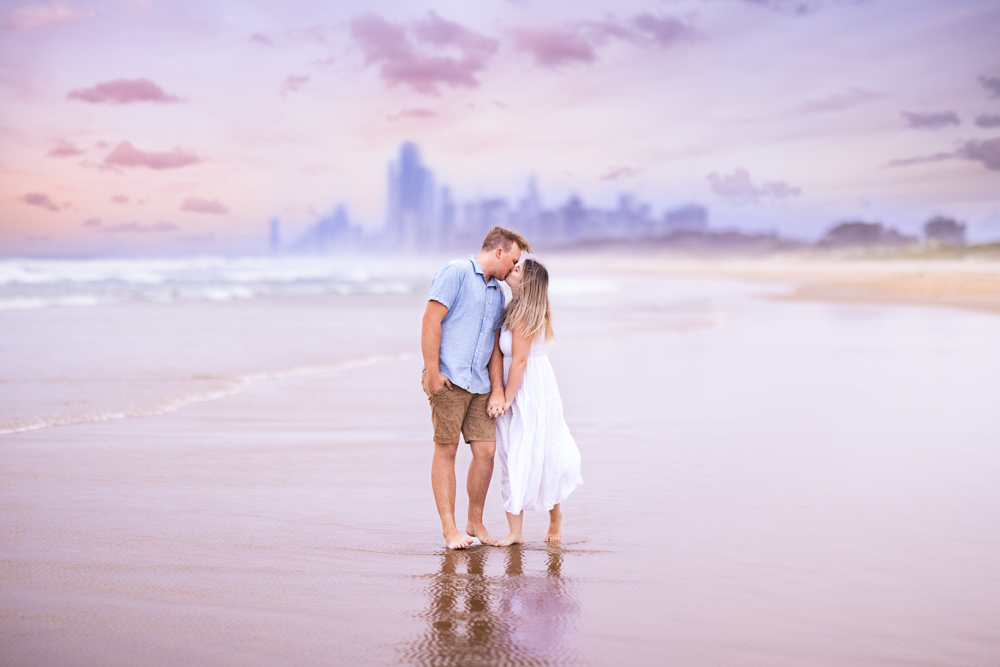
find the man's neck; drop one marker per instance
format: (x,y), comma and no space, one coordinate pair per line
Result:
(484,264)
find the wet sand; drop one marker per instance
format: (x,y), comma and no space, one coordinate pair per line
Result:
(766,482)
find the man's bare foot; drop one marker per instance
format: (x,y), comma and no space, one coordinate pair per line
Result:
(513,538)
(480,532)
(457,540)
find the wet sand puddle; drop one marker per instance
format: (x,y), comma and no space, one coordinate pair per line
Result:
(528,614)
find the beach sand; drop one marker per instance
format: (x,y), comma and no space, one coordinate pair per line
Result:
(766,481)
(971,284)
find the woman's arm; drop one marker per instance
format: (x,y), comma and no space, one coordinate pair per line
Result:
(520,349)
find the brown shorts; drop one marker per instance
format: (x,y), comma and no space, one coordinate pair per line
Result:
(455,411)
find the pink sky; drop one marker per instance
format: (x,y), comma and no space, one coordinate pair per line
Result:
(188,125)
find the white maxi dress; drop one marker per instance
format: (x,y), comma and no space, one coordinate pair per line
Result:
(539,460)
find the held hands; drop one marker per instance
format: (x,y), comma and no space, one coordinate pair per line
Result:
(497,405)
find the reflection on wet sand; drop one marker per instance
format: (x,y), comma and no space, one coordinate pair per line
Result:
(475,618)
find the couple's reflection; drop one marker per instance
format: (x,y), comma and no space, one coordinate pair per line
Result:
(475,618)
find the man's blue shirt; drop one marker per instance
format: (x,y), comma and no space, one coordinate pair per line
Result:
(467,331)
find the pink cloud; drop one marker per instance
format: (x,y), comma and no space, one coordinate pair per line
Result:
(123,91)
(931,121)
(442,33)
(120,199)
(293,83)
(620,172)
(412,113)
(127,155)
(451,55)
(739,187)
(662,31)
(840,101)
(263,40)
(42,201)
(92,222)
(137,227)
(578,43)
(39,16)
(65,149)
(554,48)
(203,206)
(987,152)
(935,157)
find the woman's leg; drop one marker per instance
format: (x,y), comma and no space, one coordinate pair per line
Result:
(554,536)
(515,522)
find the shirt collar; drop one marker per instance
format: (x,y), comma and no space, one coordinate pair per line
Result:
(479,269)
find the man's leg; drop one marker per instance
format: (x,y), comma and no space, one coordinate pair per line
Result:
(443,483)
(480,474)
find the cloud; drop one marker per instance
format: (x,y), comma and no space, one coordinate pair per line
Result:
(120,199)
(65,149)
(616,173)
(554,48)
(442,33)
(263,40)
(662,31)
(441,53)
(931,121)
(92,222)
(42,201)
(203,206)
(991,83)
(987,152)
(39,16)
(796,7)
(936,157)
(293,83)
(578,43)
(137,227)
(123,91)
(737,186)
(412,113)
(988,120)
(127,155)
(840,101)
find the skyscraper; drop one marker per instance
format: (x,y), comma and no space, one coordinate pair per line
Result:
(411,222)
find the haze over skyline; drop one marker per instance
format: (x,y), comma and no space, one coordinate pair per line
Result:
(184,126)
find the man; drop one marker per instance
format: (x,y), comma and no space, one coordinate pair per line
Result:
(463,374)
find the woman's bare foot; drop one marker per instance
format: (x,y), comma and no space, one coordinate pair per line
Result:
(480,532)
(513,538)
(554,535)
(457,540)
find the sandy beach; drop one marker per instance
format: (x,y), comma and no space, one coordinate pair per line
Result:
(971,284)
(772,475)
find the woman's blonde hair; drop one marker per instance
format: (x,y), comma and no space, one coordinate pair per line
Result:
(529,313)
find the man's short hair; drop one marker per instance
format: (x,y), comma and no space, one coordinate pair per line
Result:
(501,237)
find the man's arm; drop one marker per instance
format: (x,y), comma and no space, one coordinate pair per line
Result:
(430,345)
(496,406)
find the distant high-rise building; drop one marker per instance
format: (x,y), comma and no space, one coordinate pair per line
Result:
(411,222)
(275,234)
(447,220)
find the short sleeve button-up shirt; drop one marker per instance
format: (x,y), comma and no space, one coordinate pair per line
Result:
(475,308)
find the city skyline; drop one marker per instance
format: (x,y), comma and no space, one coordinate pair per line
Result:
(422,216)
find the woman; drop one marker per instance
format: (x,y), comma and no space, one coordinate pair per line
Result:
(539,461)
